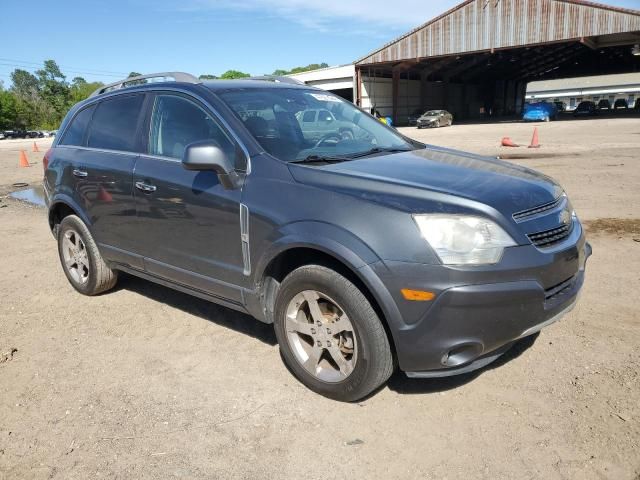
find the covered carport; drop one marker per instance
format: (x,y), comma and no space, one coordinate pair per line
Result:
(476,59)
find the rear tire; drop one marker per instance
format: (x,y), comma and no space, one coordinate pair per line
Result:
(81,260)
(342,351)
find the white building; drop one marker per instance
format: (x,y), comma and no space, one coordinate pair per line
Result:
(339,80)
(376,91)
(574,90)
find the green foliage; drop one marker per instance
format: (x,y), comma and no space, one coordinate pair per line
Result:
(41,100)
(8,110)
(80,89)
(135,82)
(311,66)
(233,74)
(54,92)
(24,83)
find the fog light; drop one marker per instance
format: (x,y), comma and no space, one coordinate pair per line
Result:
(417,295)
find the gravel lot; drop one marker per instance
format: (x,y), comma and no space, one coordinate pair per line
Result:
(145,382)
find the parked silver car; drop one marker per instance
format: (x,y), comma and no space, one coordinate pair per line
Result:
(435,118)
(322,124)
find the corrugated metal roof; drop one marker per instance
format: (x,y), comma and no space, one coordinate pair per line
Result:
(477,25)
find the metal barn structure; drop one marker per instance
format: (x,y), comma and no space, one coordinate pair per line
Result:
(476,59)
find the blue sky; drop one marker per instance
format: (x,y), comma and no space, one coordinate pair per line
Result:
(104,40)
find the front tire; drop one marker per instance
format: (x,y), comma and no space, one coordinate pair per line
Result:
(346,134)
(330,337)
(81,261)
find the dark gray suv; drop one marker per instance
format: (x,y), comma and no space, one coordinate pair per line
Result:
(366,251)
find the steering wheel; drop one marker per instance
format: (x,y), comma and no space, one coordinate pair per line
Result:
(329,138)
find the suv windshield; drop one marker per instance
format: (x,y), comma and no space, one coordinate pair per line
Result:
(294,124)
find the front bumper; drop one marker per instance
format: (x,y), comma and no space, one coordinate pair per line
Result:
(480,311)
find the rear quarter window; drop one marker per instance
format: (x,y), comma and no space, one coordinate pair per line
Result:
(114,124)
(74,134)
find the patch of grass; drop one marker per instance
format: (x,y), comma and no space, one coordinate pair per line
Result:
(614,226)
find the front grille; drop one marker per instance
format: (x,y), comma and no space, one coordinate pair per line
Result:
(550,237)
(525,214)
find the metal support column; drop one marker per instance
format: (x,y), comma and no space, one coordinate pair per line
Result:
(395,88)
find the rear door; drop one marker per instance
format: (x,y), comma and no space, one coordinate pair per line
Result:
(308,125)
(188,227)
(326,123)
(101,168)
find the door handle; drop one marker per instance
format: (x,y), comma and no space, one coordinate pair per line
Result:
(146,188)
(79,173)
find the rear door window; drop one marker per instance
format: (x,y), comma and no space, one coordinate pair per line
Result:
(78,127)
(114,124)
(176,122)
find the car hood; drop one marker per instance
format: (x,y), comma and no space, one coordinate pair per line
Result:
(431,117)
(437,179)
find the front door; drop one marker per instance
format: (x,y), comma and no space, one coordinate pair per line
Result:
(188,224)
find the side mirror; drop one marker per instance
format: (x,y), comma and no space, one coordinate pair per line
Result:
(207,155)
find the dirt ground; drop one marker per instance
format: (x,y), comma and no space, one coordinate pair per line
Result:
(145,382)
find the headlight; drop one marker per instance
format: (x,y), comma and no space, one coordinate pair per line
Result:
(464,239)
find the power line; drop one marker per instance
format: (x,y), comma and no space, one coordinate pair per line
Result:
(77,72)
(82,70)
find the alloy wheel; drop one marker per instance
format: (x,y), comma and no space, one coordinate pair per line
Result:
(321,336)
(75,256)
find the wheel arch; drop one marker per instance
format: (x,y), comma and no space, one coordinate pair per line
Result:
(296,255)
(61,207)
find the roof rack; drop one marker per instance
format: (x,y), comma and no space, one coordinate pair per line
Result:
(277,79)
(177,77)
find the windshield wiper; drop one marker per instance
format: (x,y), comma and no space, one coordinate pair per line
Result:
(319,159)
(379,150)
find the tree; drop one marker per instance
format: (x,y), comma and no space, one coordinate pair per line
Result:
(207,77)
(54,91)
(81,89)
(27,106)
(136,82)
(233,74)
(311,66)
(50,73)
(24,83)
(8,110)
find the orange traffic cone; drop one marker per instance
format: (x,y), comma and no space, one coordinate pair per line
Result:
(104,196)
(507,142)
(23,159)
(534,141)
(35,147)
